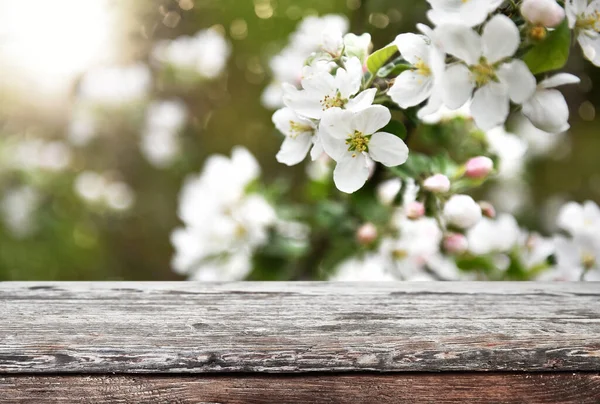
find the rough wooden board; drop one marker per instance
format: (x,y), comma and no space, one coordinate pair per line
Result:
(569,388)
(301,327)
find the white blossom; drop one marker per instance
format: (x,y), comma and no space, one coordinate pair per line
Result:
(300,135)
(159,142)
(488,74)
(224,223)
(287,66)
(547,108)
(462,211)
(577,259)
(489,236)
(38,154)
(322,91)
(18,207)
(469,12)
(584,18)
(414,255)
(388,190)
(370,268)
(510,150)
(580,220)
(534,250)
(205,53)
(97,188)
(415,85)
(357,46)
(353,141)
(332,42)
(308,37)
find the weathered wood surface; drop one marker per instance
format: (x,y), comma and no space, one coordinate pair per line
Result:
(409,388)
(298,327)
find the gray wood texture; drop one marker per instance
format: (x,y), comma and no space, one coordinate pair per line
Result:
(185,328)
(409,388)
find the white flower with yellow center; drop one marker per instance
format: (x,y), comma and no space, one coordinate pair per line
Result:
(584,18)
(466,12)
(300,135)
(580,220)
(322,91)
(488,72)
(415,85)
(353,141)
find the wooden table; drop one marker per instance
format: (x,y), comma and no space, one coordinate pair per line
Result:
(464,342)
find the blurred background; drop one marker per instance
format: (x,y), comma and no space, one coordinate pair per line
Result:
(98,132)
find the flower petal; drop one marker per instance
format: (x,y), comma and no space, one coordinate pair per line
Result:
(370,119)
(302,102)
(412,47)
(411,88)
(518,80)
(351,173)
(335,148)
(457,86)
(559,80)
(460,41)
(283,119)
(337,123)
(590,47)
(434,103)
(500,38)
(490,106)
(294,149)
(547,110)
(317,149)
(362,100)
(348,80)
(388,149)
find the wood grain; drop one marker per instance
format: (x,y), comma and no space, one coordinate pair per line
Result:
(300,327)
(390,388)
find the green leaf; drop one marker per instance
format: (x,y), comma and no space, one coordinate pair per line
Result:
(392,70)
(377,59)
(395,128)
(552,53)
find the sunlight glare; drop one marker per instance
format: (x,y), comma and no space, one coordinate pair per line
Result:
(48,42)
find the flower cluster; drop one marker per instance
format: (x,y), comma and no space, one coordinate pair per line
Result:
(486,72)
(224,220)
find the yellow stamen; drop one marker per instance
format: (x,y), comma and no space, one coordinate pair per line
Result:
(335,101)
(357,143)
(589,21)
(297,128)
(483,72)
(422,68)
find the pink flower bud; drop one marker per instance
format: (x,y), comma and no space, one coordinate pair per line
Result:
(438,183)
(546,13)
(414,210)
(479,167)
(455,243)
(366,234)
(487,209)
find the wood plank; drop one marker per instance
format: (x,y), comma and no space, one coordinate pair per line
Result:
(564,388)
(181,327)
